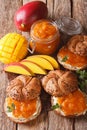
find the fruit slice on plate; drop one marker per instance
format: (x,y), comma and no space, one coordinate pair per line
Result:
(18,68)
(43,63)
(35,68)
(51,60)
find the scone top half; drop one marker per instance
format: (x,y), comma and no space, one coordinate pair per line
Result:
(73,55)
(22,103)
(66,97)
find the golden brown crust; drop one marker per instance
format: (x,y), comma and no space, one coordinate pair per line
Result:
(32,89)
(59,82)
(78,45)
(24,88)
(68,82)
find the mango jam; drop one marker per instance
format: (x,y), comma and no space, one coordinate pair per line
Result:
(74,103)
(66,52)
(45,36)
(44,30)
(22,109)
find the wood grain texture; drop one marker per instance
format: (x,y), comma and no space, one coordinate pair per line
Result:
(5,123)
(79,12)
(50,5)
(7,11)
(62,8)
(81,123)
(57,122)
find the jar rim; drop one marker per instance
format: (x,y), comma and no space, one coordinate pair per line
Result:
(44,39)
(69,25)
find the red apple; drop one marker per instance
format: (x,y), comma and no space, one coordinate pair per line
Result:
(29,13)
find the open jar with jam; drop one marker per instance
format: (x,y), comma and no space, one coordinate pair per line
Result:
(44,37)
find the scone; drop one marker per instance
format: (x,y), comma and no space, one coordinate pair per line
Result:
(73,104)
(23,103)
(60,83)
(73,55)
(66,98)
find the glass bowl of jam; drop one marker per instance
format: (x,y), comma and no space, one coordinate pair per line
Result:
(44,37)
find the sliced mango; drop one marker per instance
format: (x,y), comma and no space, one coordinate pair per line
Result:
(51,60)
(45,64)
(33,67)
(18,68)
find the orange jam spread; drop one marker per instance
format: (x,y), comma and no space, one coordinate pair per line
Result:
(44,30)
(74,103)
(24,108)
(45,36)
(73,59)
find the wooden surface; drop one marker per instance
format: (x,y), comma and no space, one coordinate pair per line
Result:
(47,120)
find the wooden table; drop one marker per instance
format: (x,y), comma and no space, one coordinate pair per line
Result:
(48,120)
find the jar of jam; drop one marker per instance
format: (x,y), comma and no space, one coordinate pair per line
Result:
(44,37)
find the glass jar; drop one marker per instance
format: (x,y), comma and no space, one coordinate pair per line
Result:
(68,27)
(44,37)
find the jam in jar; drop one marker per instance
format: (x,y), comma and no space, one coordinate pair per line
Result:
(45,37)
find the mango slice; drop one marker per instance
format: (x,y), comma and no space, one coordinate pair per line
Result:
(51,60)
(45,64)
(18,68)
(33,67)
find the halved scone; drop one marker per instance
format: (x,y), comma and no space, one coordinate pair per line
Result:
(73,56)
(60,82)
(22,102)
(66,97)
(74,104)
(22,112)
